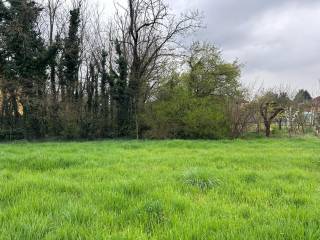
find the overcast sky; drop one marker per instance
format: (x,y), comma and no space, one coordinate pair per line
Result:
(278,41)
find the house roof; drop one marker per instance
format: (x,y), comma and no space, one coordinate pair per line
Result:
(316,101)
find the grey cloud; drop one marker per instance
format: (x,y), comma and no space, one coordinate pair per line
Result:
(277,40)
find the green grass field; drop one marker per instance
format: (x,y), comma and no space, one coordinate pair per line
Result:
(256,189)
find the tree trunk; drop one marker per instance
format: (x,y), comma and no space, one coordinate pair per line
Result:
(268,129)
(280,124)
(53,81)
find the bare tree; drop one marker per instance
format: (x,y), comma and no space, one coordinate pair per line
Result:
(241,112)
(150,33)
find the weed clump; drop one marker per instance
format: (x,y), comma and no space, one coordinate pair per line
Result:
(201,179)
(155,215)
(250,178)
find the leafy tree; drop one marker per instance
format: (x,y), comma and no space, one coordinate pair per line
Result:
(209,74)
(269,108)
(194,104)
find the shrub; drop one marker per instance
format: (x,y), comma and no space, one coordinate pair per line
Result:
(184,116)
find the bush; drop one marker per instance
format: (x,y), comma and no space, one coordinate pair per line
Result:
(8,135)
(184,116)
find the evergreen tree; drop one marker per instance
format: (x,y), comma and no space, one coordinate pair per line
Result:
(71,57)
(104,79)
(302,96)
(122,96)
(90,86)
(24,64)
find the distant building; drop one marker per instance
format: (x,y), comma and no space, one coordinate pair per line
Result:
(315,105)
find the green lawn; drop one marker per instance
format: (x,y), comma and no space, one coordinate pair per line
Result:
(256,189)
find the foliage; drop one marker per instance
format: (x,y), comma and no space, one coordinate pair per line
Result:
(76,81)
(185,116)
(194,104)
(24,59)
(209,74)
(71,54)
(121,92)
(72,81)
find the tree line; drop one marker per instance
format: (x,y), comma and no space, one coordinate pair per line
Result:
(66,72)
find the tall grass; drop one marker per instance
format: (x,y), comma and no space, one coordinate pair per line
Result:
(257,189)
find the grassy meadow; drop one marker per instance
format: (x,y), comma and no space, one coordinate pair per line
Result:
(255,189)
